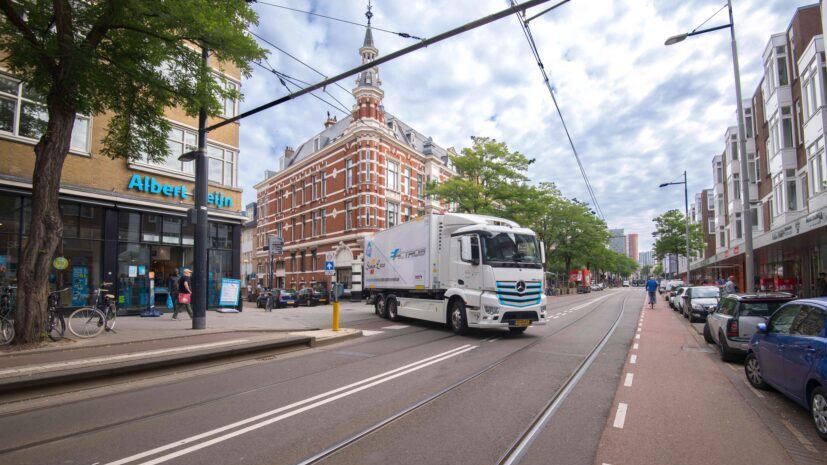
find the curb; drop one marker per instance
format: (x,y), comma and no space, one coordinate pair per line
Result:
(92,372)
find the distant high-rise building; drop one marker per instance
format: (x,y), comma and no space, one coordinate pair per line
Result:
(617,241)
(631,245)
(646,258)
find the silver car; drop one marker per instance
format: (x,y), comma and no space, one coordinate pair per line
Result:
(698,301)
(736,319)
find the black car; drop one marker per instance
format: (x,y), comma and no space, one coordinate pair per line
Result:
(281,298)
(308,297)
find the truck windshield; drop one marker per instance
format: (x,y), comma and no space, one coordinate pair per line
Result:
(509,249)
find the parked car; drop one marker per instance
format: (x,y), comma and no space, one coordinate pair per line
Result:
(672,295)
(735,320)
(697,302)
(282,298)
(662,286)
(626,283)
(308,297)
(671,285)
(583,289)
(789,353)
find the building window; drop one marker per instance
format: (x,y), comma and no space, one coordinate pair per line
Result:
(816,162)
(711,226)
(316,144)
(719,172)
(313,260)
(754,217)
(739,229)
(313,223)
(222,165)
(323,228)
(734,146)
(786,136)
(720,204)
(420,187)
(778,190)
(348,215)
(179,141)
(406,180)
(406,214)
(721,237)
(229,105)
(392,218)
(293,196)
(792,191)
(748,122)
(752,168)
(304,261)
(324,186)
(811,88)
(368,208)
(23,114)
(736,185)
(781,60)
(313,187)
(710,202)
(303,223)
(799,125)
(278,229)
(293,235)
(348,173)
(392,181)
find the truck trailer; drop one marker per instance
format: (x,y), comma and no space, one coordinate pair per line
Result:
(467,271)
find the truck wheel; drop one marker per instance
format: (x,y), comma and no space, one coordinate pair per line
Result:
(381,306)
(457,319)
(392,306)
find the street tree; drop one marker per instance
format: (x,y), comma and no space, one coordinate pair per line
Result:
(573,232)
(491,179)
(658,270)
(130,58)
(670,235)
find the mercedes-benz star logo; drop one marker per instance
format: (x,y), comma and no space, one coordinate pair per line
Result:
(520,286)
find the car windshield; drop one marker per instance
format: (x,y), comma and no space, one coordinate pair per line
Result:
(510,247)
(705,292)
(759,308)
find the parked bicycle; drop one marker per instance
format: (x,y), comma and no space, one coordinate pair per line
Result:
(7,315)
(55,323)
(87,322)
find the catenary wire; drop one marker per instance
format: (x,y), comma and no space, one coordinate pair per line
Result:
(533,46)
(284,79)
(301,84)
(707,19)
(400,34)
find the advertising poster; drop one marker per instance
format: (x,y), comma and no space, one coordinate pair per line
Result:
(230,289)
(80,285)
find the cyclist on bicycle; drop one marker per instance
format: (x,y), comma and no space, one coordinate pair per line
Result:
(651,288)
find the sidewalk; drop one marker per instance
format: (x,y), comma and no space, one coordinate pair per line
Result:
(673,405)
(149,343)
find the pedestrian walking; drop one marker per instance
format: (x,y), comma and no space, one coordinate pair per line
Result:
(172,286)
(184,294)
(730,287)
(822,285)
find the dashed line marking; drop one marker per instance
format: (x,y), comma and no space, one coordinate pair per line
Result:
(798,435)
(629,378)
(633,359)
(636,346)
(494,339)
(368,332)
(395,327)
(637,336)
(620,415)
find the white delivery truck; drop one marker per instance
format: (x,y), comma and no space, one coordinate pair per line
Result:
(460,269)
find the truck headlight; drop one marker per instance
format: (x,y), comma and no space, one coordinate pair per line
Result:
(542,308)
(491,309)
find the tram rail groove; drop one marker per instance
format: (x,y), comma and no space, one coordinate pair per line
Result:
(325,453)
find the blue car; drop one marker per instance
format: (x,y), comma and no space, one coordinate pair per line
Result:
(789,353)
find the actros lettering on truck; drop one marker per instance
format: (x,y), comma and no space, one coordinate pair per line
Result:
(398,254)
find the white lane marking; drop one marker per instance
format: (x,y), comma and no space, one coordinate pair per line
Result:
(637,336)
(367,332)
(395,327)
(437,358)
(629,378)
(117,358)
(801,438)
(754,391)
(495,339)
(620,416)
(635,346)
(633,359)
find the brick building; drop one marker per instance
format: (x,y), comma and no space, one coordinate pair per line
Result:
(361,174)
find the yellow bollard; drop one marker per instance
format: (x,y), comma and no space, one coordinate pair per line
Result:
(336,315)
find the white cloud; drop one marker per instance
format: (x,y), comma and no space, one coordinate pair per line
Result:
(639,112)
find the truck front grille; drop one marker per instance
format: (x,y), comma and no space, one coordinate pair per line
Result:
(509,317)
(508,294)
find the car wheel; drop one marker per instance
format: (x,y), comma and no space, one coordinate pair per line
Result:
(726,354)
(753,371)
(457,319)
(818,406)
(708,335)
(393,309)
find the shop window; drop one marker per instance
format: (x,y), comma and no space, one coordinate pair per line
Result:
(10,214)
(171,230)
(151,228)
(83,275)
(129,226)
(220,237)
(220,265)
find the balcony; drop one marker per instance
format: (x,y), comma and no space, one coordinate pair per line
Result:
(781,97)
(782,160)
(814,126)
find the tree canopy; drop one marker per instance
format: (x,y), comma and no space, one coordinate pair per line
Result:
(670,235)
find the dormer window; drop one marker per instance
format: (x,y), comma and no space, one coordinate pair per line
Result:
(316,144)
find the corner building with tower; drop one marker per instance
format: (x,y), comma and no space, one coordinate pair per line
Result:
(361,174)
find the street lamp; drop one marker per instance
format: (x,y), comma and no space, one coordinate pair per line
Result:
(746,210)
(686,211)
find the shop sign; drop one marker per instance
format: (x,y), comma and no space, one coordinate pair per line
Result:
(814,220)
(783,232)
(150,185)
(60,263)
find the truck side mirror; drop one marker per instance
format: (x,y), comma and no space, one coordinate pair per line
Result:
(542,252)
(469,249)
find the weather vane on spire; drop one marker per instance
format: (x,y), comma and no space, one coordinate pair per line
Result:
(368,14)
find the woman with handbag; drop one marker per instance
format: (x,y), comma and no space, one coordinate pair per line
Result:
(184,294)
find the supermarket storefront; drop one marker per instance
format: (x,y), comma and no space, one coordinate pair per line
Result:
(124,240)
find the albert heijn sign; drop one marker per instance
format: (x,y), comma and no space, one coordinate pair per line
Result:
(150,185)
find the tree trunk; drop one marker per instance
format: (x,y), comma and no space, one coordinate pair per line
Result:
(46,226)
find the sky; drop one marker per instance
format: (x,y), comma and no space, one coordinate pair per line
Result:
(639,113)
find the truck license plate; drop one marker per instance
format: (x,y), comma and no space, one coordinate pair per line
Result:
(520,323)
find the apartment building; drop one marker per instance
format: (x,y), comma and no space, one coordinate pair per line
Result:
(632,245)
(361,174)
(786,168)
(617,241)
(248,234)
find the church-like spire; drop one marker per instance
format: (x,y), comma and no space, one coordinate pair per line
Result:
(368,92)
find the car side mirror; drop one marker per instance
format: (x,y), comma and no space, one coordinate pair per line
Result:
(762,327)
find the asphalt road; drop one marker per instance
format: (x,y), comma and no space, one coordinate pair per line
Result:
(476,395)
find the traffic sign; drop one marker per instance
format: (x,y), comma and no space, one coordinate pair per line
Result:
(276,245)
(329,269)
(329,256)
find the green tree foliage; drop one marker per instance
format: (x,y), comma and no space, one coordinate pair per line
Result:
(658,270)
(670,235)
(573,233)
(491,179)
(133,58)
